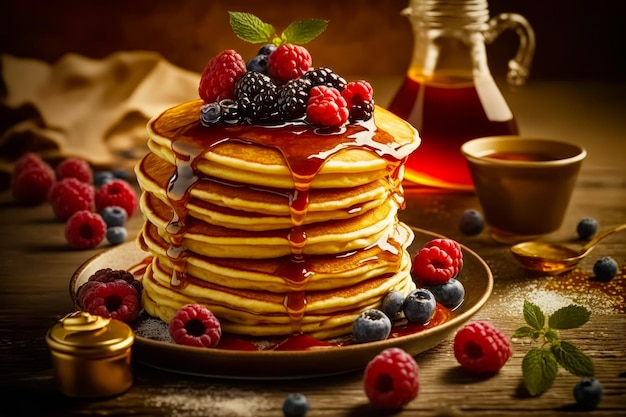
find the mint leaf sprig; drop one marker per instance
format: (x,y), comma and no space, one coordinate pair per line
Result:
(540,364)
(250,28)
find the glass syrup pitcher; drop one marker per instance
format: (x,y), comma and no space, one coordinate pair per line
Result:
(449,94)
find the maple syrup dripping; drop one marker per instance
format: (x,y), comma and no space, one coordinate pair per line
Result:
(305,149)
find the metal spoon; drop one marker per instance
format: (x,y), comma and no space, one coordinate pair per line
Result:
(555,259)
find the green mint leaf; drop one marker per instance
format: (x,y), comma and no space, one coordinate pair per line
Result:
(250,28)
(533,315)
(572,359)
(552,336)
(539,368)
(569,317)
(303,31)
(526,332)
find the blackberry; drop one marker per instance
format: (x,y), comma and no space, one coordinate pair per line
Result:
(264,108)
(252,84)
(361,111)
(325,76)
(293,97)
(256,94)
(210,113)
(230,111)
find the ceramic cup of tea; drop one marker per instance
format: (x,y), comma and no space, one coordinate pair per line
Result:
(524,185)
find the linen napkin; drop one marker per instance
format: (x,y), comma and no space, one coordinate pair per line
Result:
(96,109)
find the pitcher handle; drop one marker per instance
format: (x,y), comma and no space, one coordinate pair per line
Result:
(519,67)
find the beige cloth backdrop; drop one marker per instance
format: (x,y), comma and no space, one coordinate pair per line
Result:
(93,109)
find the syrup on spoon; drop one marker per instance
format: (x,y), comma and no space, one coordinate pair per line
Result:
(555,259)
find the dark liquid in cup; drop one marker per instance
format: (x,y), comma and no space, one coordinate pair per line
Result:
(450,114)
(521,156)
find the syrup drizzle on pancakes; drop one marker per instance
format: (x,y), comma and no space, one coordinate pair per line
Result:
(305,150)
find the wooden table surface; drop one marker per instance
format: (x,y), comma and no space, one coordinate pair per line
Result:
(36,265)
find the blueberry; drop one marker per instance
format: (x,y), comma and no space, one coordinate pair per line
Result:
(392,304)
(295,405)
(267,49)
(605,268)
(102,177)
(116,235)
(370,326)
(258,64)
(588,393)
(114,216)
(210,114)
(419,306)
(121,174)
(586,228)
(450,294)
(472,222)
(230,111)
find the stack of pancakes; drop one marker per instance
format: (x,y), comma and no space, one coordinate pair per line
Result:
(277,229)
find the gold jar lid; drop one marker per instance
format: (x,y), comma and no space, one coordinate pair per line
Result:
(80,333)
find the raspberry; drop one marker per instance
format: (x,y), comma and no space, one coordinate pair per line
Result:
(31,184)
(218,78)
(117,193)
(69,196)
(326,107)
(357,92)
(391,379)
(109,275)
(288,62)
(195,325)
(433,266)
(116,299)
(75,168)
(452,247)
(29,160)
(85,230)
(480,348)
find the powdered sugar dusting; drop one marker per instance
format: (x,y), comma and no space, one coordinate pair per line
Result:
(553,292)
(210,402)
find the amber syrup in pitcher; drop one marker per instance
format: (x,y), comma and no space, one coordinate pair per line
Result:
(449,94)
(448,112)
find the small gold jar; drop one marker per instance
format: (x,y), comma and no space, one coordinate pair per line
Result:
(91,355)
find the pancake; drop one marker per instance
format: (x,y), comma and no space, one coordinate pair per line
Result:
(278,229)
(252,156)
(322,238)
(327,272)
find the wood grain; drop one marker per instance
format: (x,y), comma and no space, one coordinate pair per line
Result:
(36,265)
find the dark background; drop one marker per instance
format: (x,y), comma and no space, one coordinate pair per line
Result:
(575,39)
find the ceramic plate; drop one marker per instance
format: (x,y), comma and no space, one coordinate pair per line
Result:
(475,276)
